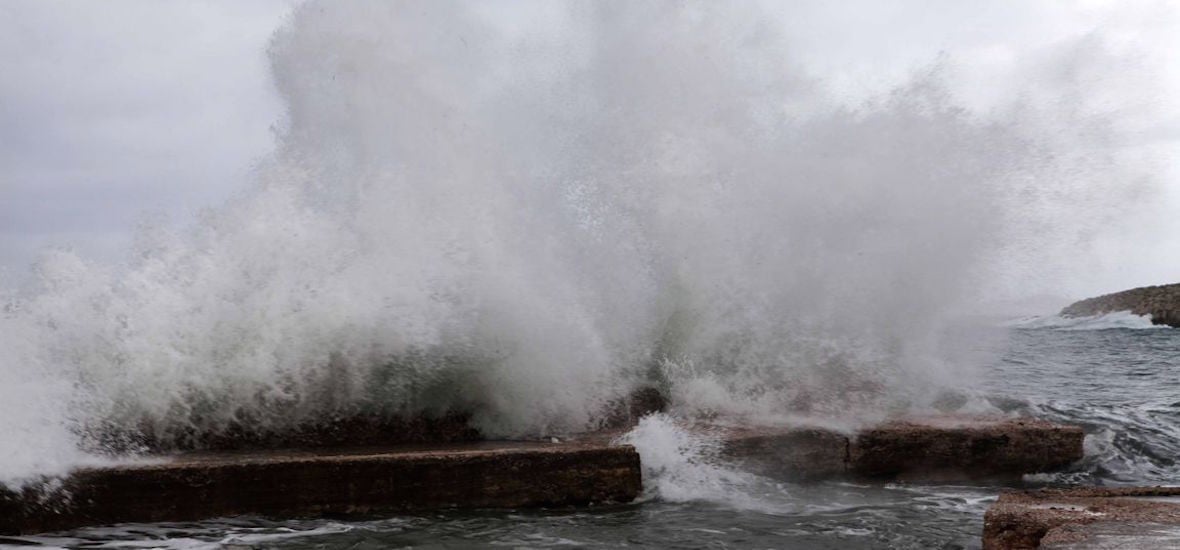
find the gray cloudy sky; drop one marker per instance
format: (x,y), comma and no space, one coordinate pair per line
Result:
(112,110)
(109,110)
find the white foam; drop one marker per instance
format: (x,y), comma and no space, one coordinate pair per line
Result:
(682,466)
(1113,320)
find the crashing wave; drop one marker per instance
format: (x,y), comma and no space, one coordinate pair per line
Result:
(524,222)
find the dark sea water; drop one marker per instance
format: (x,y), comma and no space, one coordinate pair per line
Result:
(1122,385)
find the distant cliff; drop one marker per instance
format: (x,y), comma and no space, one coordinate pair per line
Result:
(1161,302)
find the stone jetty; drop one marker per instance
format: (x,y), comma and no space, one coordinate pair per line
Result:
(1161,302)
(1084,518)
(582,470)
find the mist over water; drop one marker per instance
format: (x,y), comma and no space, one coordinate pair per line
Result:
(528,220)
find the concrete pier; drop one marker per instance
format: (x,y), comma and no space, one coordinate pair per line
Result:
(316,483)
(915,449)
(1085,518)
(957,448)
(583,470)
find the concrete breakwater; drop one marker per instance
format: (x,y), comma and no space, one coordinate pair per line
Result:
(916,449)
(295,483)
(584,470)
(1085,518)
(1161,302)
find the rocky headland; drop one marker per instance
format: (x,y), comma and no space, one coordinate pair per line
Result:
(1161,302)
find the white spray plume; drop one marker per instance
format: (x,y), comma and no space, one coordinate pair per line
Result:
(526,224)
(680,465)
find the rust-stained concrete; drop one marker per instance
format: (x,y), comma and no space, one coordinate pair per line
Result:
(1090,517)
(312,483)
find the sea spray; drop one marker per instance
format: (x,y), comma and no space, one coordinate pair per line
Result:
(524,222)
(681,465)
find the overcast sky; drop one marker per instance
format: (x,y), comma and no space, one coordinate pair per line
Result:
(114,110)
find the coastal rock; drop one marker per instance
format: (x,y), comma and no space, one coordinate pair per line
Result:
(1161,302)
(945,448)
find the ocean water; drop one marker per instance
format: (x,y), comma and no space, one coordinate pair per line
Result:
(1114,376)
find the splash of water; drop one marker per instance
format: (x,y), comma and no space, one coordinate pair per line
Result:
(526,223)
(681,466)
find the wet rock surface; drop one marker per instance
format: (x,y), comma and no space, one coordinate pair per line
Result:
(1091,517)
(1161,302)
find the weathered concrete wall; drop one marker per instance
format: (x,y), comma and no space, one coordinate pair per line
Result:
(296,484)
(928,449)
(1161,302)
(1056,517)
(964,448)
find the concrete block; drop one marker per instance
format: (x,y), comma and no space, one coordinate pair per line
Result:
(315,483)
(956,448)
(1089,517)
